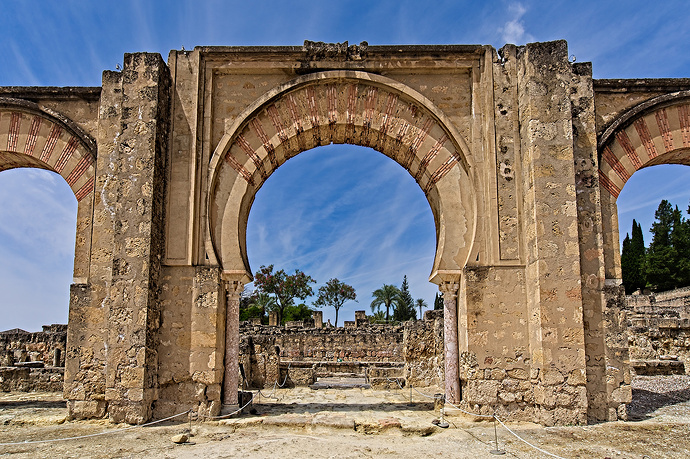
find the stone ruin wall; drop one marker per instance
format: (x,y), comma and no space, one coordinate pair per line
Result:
(659,325)
(33,361)
(299,353)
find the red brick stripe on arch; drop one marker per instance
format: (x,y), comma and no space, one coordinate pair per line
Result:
(352,112)
(624,142)
(608,185)
(13,137)
(684,118)
(84,191)
(665,129)
(645,136)
(55,134)
(662,128)
(615,164)
(32,133)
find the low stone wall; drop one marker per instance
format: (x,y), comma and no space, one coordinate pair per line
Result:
(25,379)
(412,351)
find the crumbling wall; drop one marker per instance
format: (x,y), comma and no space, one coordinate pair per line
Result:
(659,339)
(416,347)
(25,379)
(47,346)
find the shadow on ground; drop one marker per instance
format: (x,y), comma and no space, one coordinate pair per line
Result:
(645,402)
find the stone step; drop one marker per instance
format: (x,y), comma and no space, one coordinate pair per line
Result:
(385,372)
(387,382)
(340,383)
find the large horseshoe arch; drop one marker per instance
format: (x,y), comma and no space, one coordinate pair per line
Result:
(340,107)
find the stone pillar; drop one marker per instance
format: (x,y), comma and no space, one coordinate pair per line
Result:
(318,319)
(233,289)
(361,318)
(272,319)
(450,337)
(552,273)
(136,170)
(207,340)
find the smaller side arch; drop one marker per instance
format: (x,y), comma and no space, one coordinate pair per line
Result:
(35,136)
(654,132)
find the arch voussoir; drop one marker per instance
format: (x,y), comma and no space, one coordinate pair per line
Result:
(654,132)
(339,107)
(31,137)
(342,111)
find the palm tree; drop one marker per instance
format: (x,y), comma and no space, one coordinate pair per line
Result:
(386,296)
(421,304)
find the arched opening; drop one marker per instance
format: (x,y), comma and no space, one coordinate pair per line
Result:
(37,234)
(348,212)
(47,172)
(340,107)
(644,191)
(655,132)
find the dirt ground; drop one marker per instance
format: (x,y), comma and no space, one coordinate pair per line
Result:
(351,423)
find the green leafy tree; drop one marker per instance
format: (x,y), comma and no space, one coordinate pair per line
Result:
(421,304)
(633,261)
(255,304)
(404,309)
(284,287)
(298,312)
(388,295)
(335,294)
(680,239)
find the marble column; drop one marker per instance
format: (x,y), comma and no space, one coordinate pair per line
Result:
(450,340)
(233,291)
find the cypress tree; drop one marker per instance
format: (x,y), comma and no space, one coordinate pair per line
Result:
(680,239)
(405,309)
(639,276)
(438,302)
(626,265)
(661,255)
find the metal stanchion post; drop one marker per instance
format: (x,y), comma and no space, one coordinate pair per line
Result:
(496,450)
(440,422)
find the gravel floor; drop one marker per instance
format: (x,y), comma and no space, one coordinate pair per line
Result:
(384,426)
(670,394)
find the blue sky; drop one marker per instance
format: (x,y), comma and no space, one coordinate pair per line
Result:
(366,232)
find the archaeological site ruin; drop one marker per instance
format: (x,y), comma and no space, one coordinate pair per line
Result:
(520,153)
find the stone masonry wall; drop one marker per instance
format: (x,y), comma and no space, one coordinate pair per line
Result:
(659,325)
(415,346)
(21,346)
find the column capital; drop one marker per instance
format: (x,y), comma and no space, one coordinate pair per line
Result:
(449,288)
(234,282)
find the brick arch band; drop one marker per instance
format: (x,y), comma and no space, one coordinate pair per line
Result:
(33,136)
(654,132)
(342,107)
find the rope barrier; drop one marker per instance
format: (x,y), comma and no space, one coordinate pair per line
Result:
(224,416)
(51,440)
(487,416)
(286,375)
(493,416)
(525,441)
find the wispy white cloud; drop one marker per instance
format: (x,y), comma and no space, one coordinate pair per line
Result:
(513,31)
(352,214)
